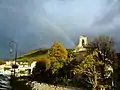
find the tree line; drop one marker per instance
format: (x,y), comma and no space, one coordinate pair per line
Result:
(97,67)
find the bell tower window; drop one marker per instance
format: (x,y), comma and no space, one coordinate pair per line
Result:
(83,42)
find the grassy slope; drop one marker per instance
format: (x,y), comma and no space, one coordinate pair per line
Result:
(35,54)
(2,62)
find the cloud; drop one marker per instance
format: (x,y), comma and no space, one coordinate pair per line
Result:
(109,21)
(38,23)
(29,27)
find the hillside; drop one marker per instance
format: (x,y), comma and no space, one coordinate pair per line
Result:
(35,54)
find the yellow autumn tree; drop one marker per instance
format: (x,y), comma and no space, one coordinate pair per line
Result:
(58,51)
(58,55)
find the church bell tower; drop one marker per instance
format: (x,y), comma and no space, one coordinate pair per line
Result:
(83,41)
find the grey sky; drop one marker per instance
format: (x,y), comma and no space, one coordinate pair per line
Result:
(38,23)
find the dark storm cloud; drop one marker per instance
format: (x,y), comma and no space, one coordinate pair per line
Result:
(26,22)
(38,23)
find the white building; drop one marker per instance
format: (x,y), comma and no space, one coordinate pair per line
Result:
(33,64)
(83,41)
(22,67)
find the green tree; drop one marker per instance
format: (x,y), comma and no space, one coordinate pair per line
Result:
(41,68)
(105,46)
(106,53)
(42,65)
(89,66)
(58,56)
(43,62)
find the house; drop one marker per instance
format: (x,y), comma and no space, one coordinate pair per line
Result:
(24,69)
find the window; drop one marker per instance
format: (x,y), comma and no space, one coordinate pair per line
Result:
(83,42)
